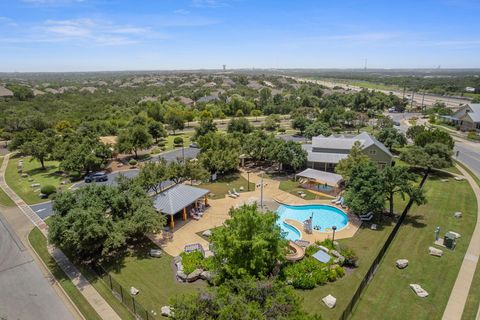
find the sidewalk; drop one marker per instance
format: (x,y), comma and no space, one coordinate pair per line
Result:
(459,294)
(103,309)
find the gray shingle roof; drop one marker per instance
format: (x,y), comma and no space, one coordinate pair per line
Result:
(321,176)
(178,197)
(4,92)
(475,113)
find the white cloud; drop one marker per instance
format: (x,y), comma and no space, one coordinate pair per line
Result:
(181,11)
(8,22)
(209,3)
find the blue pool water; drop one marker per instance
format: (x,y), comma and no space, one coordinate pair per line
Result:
(323,216)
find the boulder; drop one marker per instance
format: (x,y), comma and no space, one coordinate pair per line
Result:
(457,214)
(24,175)
(435,252)
(166,311)
(419,291)
(35,185)
(133,291)
(156,253)
(335,253)
(181,276)
(401,263)
(337,246)
(456,234)
(206,275)
(207,233)
(179,266)
(330,301)
(195,275)
(177,259)
(324,249)
(373,226)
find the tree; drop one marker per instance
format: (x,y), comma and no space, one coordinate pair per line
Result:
(239,125)
(152,175)
(434,136)
(82,154)
(414,131)
(433,155)
(205,126)
(398,180)
(156,130)
(219,152)
(291,154)
(195,171)
(356,156)
(94,221)
(38,148)
(246,299)
(256,113)
(174,117)
(317,128)
(365,191)
(272,122)
(134,139)
(300,123)
(391,138)
(249,244)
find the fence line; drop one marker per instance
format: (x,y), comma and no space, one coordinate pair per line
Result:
(374,266)
(124,296)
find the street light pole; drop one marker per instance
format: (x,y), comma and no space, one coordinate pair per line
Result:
(261,193)
(333,237)
(248,180)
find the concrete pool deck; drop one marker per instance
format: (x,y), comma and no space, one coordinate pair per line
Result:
(217,213)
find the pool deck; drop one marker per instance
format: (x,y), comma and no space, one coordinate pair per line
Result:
(217,213)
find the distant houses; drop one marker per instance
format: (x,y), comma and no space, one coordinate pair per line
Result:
(324,153)
(5,93)
(467,117)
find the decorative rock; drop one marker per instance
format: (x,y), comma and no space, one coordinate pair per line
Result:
(330,301)
(166,311)
(156,253)
(419,291)
(63,182)
(457,214)
(457,235)
(335,253)
(177,259)
(181,276)
(179,266)
(207,233)
(435,252)
(242,188)
(133,291)
(30,179)
(324,249)
(24,175)
(206,275)
(401,263)
(195,275)
(373,226)
(459,178)
(35,185)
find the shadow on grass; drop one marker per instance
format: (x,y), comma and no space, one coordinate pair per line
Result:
(138,248)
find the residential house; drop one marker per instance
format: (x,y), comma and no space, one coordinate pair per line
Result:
(467,117)
(324,153)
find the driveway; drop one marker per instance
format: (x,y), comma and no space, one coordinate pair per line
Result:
(187,153)
(25,293)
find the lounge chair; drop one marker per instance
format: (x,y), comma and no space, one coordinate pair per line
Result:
(367,218)
(365,215)
(335,200)
(231,195)
(339,201)
(236,193)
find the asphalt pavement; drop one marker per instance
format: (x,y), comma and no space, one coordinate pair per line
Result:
(24,291)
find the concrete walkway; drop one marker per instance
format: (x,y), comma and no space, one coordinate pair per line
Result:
(103,309)
(459,295)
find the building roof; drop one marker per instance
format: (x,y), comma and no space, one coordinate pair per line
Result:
(207,98)
(4,92)
(323,156)
(475,113)
(177,197)
(329,178)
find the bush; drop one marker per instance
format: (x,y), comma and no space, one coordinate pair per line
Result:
(351,258)
(162,143)
(132,162)
(195,260)
(327,243)
(178,141)
(48,190)
(307,273)
(75,175)
(282,130)
(472,135)
(156,150)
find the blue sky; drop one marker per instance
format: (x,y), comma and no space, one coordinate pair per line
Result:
(89,35)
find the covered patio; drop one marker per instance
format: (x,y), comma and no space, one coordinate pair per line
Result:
(181,199)
(320,181)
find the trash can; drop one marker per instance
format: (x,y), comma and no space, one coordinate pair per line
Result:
(449,240)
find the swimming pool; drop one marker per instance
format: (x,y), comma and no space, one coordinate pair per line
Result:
(323,216)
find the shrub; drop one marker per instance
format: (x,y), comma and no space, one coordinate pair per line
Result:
(178,141)
(75,175)
(132,162)
(472,135)
(156,150)
(306,274)
(311,250)
(351,258)
(48,190)
(162,143)
(195,260)
(282,130)
(327,243)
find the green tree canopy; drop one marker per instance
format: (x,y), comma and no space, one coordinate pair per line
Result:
(356,156)
(317,128)
(249,244)
(239,125)
(175,118)
(205,126)
(134,139)
(391,138)
(219,152)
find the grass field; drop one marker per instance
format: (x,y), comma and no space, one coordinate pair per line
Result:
(186,139)
(154,277)
(4,199)
(22,186)
(388,296)
(39,243)
(220,187)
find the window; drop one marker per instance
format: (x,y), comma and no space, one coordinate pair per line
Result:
(372,152)
(382,165)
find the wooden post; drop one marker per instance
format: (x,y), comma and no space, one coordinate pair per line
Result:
(185,214)
(172,223)
(206,200)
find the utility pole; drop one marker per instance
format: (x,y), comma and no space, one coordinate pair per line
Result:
(423,98)
(413,96)
(261,192)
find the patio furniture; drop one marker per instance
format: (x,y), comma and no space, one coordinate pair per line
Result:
(236,193)
(365,215)
(367,218)
(339,201)
(231,195)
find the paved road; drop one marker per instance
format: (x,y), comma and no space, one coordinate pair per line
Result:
(469,154)
(24,292)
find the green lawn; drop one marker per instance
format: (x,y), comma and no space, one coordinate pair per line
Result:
(220,187)
(473,300)
(22,186)
(293,187)
(39,243)
(4,199)
(187,136)
(388,296)
(154,277)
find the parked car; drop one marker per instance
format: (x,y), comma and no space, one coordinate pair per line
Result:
(194,145)
(396,123)
(96,177)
